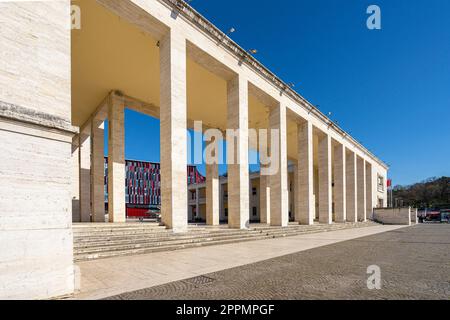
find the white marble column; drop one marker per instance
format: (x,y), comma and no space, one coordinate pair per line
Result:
(293,193)
(213,192)
(351,186)
(237,153)
(116,159)
(85,173)
(251,200)
(304,198)
(173,115)
(221,202)
(361,180)
(325,180)
(76,216)
(98,172)
(369,190)
(190,213)
(264,199)
(279,197)
(340,199)
(197,204)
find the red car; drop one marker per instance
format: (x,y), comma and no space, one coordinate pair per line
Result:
(433,216)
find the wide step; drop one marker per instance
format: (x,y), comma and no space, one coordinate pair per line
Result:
(102,241)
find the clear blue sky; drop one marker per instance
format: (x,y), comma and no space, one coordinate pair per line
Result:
(389,88)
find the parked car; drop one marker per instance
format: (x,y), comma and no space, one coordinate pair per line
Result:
(433,215)
(153,213)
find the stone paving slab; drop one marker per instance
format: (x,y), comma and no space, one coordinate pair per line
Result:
(108,277)
(414,264)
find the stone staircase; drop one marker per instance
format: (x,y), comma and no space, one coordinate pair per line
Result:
(97,241)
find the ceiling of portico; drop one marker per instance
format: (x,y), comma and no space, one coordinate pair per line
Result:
(109,53)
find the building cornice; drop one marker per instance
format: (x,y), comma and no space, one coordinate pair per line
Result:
(209,28)
(34,117)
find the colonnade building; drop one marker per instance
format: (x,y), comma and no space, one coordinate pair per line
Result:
(162,58)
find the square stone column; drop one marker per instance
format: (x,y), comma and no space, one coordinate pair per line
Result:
(264,199)
(340,200)
(221,202)
(361,180)
(304,189)
(279,197)
(414,214)
(75,182)
(116,159)
(369,190)
(213,192)
(98,171)
(237,153)
(85,173)
(292,189)
(325,180)
(173,115)
(351,186)
(251,200)
(197,203)
(190,213)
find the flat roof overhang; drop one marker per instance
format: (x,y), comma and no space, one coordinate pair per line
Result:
(109,52)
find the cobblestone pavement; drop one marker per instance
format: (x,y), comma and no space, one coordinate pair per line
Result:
(414,262)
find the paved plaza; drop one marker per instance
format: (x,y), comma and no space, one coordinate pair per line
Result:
(108,277)
(414,264)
